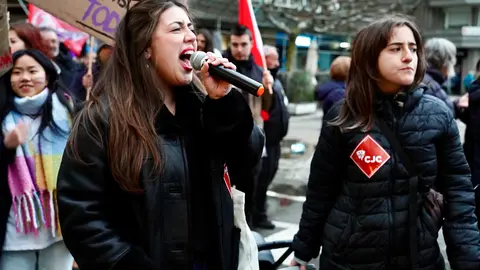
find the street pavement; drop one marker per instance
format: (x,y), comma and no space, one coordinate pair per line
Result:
(287,192)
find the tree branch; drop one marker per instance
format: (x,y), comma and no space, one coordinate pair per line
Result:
(278,24)
(322,16)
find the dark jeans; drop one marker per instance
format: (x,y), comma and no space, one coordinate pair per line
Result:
(250,197)
(269,169)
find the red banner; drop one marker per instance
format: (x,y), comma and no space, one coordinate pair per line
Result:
(246,17)
(73,38)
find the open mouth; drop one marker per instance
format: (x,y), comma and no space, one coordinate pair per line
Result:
(185,58)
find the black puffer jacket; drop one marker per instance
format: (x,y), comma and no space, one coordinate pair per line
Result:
(362,222)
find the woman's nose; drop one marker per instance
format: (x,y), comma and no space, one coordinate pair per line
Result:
(190,36)
(407,56)
(25,77)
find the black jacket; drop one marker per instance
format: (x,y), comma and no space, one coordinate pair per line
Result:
(254,72)
(472,137)
(361,222)
(67,65)
(107,228)
(6,157)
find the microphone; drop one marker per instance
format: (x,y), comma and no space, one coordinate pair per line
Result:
(220,72)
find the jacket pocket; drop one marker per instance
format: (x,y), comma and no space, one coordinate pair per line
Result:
(347,232)
(427,224)
(235,247)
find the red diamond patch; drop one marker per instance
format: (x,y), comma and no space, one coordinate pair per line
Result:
(369,156)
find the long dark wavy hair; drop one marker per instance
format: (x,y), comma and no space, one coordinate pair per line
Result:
(130,92)
(362,83)
(7,94)
(208,39)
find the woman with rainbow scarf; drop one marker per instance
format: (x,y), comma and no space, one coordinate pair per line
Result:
(35,117)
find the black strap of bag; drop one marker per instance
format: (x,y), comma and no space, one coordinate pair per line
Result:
(412,194)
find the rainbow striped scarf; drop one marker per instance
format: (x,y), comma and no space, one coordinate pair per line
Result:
(32,177)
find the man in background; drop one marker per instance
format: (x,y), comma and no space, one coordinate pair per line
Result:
(275,125)
(240,54)
(61,55)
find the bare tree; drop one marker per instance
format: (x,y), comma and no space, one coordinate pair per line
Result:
(327,16)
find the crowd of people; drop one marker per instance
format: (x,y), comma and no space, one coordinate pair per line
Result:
(123,166)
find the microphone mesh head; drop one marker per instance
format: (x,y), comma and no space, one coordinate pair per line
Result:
(197,60)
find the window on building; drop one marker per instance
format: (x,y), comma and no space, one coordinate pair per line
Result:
(456,17)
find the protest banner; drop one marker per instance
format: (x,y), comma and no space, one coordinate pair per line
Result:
(5,54)
(99,18)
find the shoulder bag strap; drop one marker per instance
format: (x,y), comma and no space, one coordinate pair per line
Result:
(412,194)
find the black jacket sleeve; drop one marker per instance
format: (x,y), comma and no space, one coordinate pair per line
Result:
(83,200)
(460,228)
(227,121)
(322,192)
(230,128)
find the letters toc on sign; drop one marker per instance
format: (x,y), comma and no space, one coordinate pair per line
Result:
(101,16)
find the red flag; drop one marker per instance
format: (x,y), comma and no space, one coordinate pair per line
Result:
(246,17)
(73,38)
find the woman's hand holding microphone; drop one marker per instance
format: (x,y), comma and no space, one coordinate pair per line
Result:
(216,88)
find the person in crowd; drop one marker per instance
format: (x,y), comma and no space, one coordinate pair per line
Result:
(333,91)
(60,55)
(441,59)
(141,182)
(83,59)
(205,44)
(361,198)
(204,40)
(469,78)
(275,125)
(104,53)
(82,80)
(469,139)
(240,54)
(25,36)
(35,116)
(471,144)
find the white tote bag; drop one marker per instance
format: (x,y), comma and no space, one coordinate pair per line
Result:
(248,251)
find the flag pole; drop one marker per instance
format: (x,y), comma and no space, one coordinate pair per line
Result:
(90,63)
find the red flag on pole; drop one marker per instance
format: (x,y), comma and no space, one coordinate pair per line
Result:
(246,17)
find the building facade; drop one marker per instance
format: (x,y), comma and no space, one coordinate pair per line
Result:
(458,21)
(222,15)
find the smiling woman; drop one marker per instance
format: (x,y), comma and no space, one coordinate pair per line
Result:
(141,184)
(35,119)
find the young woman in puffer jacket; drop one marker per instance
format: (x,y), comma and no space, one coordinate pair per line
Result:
(360,207)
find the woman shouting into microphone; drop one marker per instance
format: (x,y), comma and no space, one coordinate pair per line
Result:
(141,182)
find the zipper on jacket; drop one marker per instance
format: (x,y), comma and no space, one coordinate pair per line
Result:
(391,206)
(187,196)
(153,226)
